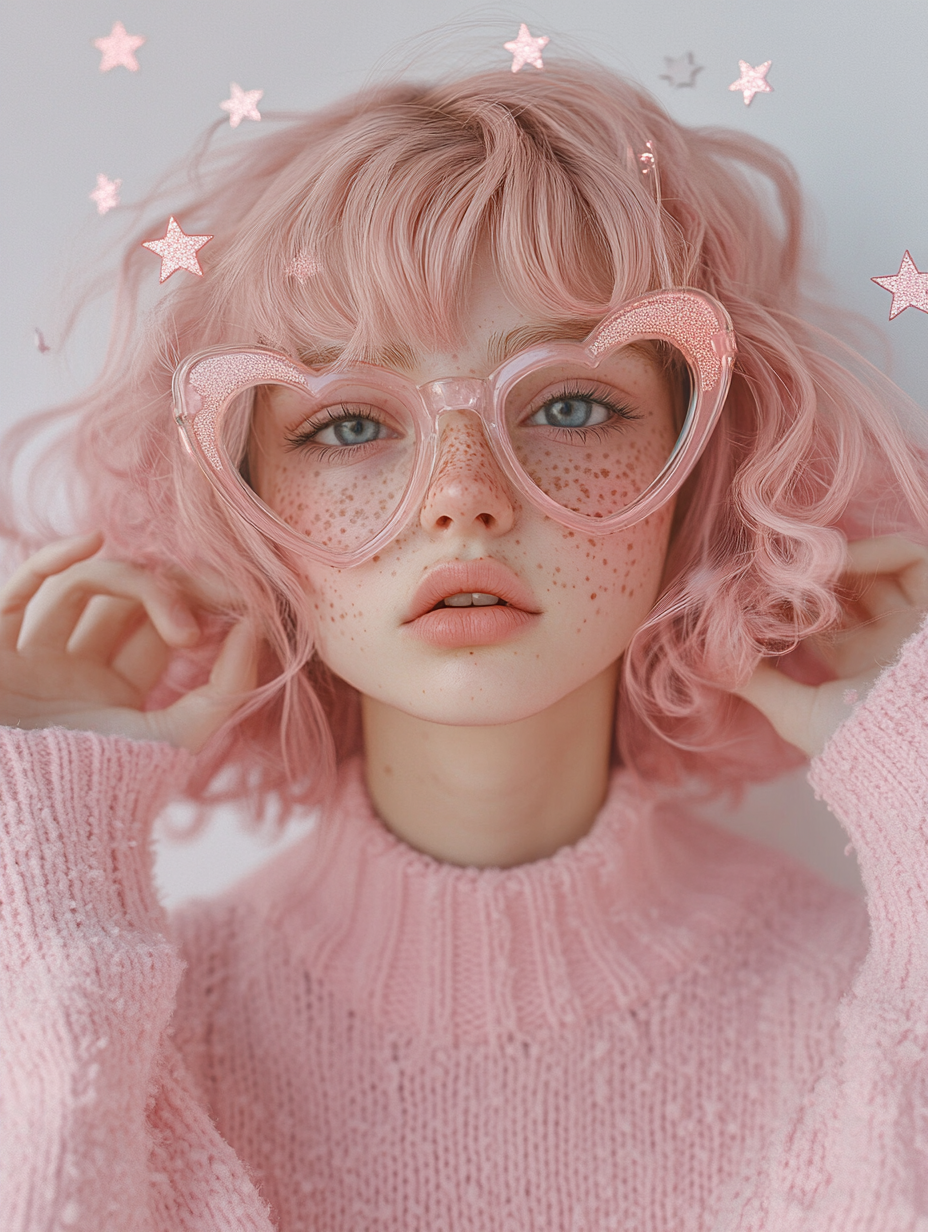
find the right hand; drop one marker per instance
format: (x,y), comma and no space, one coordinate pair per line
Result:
(83,641)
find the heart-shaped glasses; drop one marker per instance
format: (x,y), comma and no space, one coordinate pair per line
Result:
(333,463)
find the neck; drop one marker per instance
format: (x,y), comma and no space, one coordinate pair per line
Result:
(493,796)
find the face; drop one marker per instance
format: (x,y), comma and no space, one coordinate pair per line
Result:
(418,627)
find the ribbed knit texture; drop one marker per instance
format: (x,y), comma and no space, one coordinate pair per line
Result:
(662,1028)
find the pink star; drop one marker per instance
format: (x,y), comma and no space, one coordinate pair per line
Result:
(118,48)
(909,287)
(106,194)
(241,106)
(752,80)
(525,49)
(302,267)
(177,250)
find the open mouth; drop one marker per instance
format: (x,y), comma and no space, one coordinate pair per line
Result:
(470,599)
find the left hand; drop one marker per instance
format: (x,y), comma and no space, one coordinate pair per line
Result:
(887,579)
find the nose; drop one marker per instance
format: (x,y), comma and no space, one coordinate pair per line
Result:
(468,491)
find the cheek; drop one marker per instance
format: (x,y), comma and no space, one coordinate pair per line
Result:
(608,583)
(352,607)
(338,508)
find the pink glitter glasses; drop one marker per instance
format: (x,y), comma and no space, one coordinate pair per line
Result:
(343,457)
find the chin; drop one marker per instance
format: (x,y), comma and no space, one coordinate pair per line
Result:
(486,711)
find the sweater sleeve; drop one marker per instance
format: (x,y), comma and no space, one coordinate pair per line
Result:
(855,1157)
(101,1128)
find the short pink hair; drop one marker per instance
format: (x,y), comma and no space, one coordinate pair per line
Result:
(391,193)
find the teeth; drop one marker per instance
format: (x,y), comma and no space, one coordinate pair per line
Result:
(472,599)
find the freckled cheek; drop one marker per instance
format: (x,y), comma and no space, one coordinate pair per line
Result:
(349,605)
(605,479)
(611,578)
(338,507)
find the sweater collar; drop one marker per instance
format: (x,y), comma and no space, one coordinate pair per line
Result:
(458,953)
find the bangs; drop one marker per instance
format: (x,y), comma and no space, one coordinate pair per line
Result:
(373,236)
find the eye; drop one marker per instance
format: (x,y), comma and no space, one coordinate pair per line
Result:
(355,431)
(342,428)
(571,412)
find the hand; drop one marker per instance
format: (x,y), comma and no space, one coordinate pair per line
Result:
(83,641)
(887,581)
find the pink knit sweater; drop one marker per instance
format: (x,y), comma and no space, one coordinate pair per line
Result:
(661,1028)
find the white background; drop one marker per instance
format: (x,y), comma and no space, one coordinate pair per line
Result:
(849,107)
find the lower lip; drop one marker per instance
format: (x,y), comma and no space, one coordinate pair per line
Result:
(471,626)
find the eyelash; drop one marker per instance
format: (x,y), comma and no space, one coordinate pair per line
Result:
(587,394)
(345,414)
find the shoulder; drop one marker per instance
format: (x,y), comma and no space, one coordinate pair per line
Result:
(785,926)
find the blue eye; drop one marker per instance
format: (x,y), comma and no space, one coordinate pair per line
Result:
(357,431)
(341,432)
(574,412)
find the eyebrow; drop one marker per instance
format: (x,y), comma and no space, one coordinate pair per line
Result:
(500,346)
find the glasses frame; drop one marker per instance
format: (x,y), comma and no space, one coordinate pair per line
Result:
(207,383)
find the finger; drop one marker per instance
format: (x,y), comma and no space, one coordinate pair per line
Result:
(142,658)
(60,603)
(198,715)
(29,577)
(103,626)
(884,554)
(784,702)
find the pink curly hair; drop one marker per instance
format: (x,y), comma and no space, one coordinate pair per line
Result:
(389,195)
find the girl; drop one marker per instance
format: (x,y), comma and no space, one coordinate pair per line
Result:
(479,558)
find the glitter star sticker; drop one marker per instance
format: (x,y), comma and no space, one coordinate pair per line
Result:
(302,267)
(106,194)
(242,104)
(752,80)
(681,71)
(909,287)
(119,47)
(525,49)
(177,250)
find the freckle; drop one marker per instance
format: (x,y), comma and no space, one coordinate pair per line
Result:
(374,560)
(623,588)
(388,769)
(593,595)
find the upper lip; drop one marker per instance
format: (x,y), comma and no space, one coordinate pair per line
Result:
(486,576)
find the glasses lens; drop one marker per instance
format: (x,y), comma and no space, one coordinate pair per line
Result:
(334,465)
(593,439)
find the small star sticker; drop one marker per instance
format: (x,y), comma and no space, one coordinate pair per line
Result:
(241,106)
(525,49)
(118,48)
(106,194)
(909,287)
(752,80)
(302,267)
(681,71)
(177,250)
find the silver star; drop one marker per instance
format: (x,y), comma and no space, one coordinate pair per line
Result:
(681,71)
